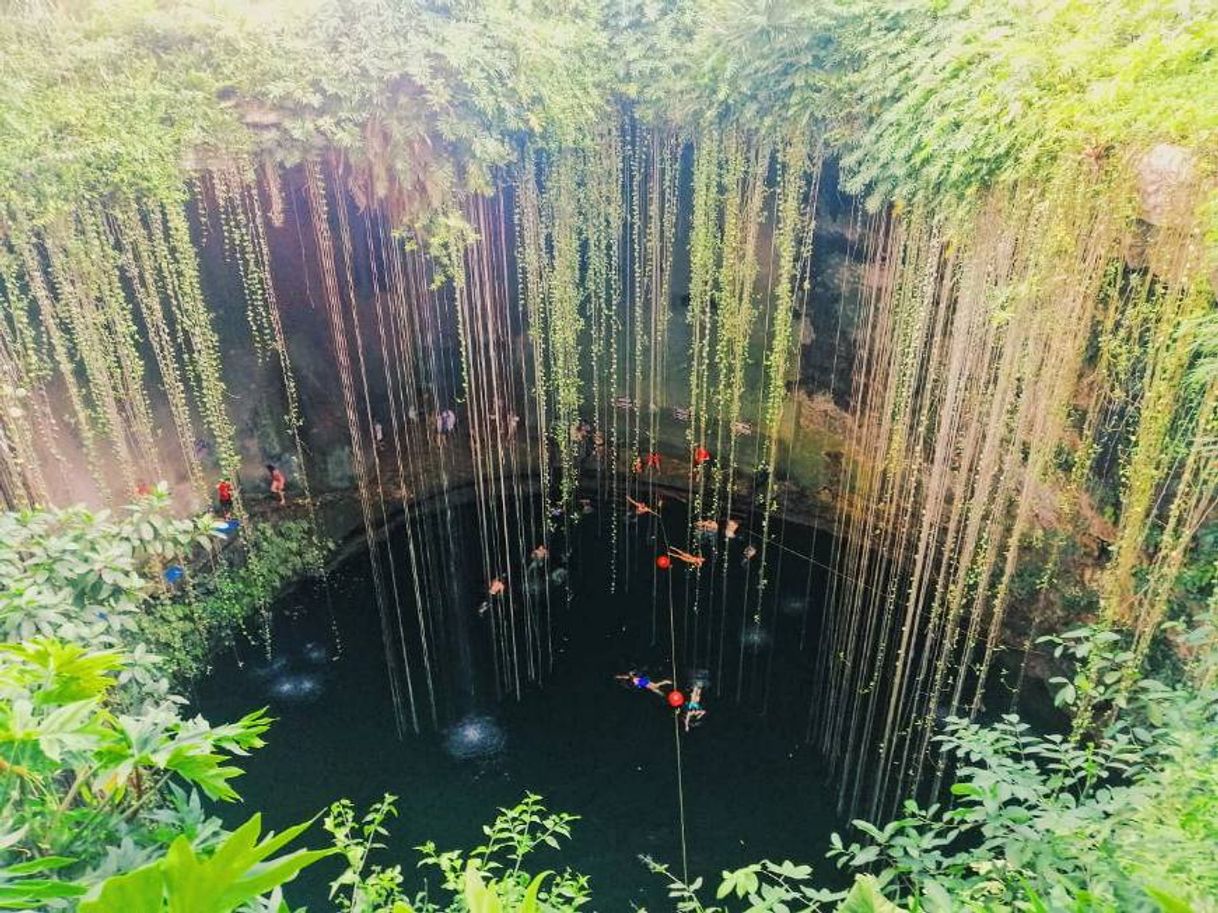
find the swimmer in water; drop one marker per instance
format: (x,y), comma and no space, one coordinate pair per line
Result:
(694,711)
(692,560)
(730,527)
(497,587)
(641,509)
(750,552)
(708,528)
(540,554)
(642,682)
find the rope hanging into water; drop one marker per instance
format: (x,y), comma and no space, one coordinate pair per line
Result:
(676,712)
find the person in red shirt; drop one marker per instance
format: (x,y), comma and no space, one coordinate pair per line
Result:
(224,490)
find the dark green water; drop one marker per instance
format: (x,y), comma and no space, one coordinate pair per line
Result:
(589,746)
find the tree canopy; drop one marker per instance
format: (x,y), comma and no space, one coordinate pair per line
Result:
(924,100)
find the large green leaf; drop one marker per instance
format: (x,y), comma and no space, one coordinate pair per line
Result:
(236,873)
(140,891)
(866,897)
(531,904)
(479,898)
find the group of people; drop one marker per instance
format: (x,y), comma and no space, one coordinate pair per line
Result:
(538,566)
(691,708)
(707,529)
(653,461)
(277,483)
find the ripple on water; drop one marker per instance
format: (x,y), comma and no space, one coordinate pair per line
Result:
(269,668)
(296,688)
(474,737)
(755,637)
(793,605)
(315,653)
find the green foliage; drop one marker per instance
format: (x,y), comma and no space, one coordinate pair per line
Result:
(514,835)
(931,102)
(1121,818)
(430,96)
(1115,819)
(82,776)
(96,579)
(488,879)
(778,887)
(84,576)
(101,768)
(239,870)
(927,101)
(185,628)
(361,887)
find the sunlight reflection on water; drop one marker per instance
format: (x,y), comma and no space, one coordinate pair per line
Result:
(296,687)
(474,737)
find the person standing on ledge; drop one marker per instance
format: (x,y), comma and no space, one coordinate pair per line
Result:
(278,482)
(224,492)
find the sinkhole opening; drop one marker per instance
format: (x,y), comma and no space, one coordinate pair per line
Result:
(527,696)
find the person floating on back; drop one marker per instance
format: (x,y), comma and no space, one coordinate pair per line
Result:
(278,482)
(642,682)
(224,492)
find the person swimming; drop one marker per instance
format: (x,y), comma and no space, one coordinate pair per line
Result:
(750,552)
(494,591)
(691,560)
(641,509)
(694,711)
(643,683)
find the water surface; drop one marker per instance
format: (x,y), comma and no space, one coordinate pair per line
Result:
(589,746)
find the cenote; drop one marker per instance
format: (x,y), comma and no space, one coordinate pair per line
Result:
(753,787)
(396,394)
